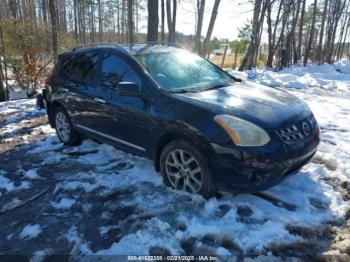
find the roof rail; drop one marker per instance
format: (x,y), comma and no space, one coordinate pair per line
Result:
(96,44)
(106,44)
(164,43)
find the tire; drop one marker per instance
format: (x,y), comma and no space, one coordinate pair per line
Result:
(40,101)
(184,167)
(64,128)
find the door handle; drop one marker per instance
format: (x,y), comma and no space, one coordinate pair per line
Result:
(97,99)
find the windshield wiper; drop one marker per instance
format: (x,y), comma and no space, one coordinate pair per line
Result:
(181,90)
(216,86)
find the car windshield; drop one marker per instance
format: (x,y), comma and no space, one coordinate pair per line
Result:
(182,71)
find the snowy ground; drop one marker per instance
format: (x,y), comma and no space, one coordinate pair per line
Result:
(95,199)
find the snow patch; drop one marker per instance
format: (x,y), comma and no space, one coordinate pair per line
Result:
(30,231)
(65,203)
(32,174)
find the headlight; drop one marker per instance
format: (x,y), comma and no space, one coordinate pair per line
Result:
(242,132)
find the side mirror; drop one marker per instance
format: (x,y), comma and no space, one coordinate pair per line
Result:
(128,89)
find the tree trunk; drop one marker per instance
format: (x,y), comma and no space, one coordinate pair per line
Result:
(254,38)
(320,41)
(173,24)
(200,16)
(311,37)
(171,19)
(295,22)
(162,34)
(44,10)
(214,13)
(301,26)
(333,30)
(272,34)
(75,19)
(123,21)
(343,31)
(153,20)
(54,29)
(3,87)
(344,41)
(168,12)
(130,22)
(118,21)
(100,22)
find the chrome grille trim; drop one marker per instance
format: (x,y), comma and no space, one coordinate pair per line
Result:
(294,133)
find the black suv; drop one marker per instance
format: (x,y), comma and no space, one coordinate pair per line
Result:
(205,129)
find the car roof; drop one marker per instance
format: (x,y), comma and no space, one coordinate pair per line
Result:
(135,49)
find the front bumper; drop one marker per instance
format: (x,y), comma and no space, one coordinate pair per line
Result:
(256,169)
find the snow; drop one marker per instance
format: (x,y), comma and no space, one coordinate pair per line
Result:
(343,66)
(30,231)
(48,145)
(247,221)
(299,77)
(65,203)
(6,183)
(32,174)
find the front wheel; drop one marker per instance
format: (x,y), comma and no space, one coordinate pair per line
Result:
(64,128)
(184,168)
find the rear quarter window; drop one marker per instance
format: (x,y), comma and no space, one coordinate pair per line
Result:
(84,67)
(61,69)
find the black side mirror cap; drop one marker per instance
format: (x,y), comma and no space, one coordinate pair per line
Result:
(128,89)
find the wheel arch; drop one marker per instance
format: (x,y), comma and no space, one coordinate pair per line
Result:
(184,132)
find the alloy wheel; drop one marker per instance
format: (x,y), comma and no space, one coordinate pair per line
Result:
(63,126)
(183,171)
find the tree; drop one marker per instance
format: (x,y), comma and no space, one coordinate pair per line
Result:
(271,30)
(249,61)
(200,15)
(311,37)
(214,13)
(130,22)
(162,35)
(301,26)
(292,34)
(4,94)
(343,32)
(100,19)
(153,20)
(171,19)
(320,41)
(53,16)
(336,9)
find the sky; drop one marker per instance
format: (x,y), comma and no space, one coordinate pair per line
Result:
(232,16)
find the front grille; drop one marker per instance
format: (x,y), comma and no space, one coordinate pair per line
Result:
(297,131)
(290,134)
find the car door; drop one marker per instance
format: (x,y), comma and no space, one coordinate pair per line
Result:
(84,98)
(129,122)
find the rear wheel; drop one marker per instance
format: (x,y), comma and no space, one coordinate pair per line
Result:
(184,168)
(64,128)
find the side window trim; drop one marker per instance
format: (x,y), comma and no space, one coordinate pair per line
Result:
(102,57)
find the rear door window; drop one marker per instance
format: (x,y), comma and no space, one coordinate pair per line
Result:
(114,70)
(85,67)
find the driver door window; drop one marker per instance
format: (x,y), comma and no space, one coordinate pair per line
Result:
(114,70)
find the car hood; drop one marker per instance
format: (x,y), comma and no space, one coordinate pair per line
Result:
(265,106)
